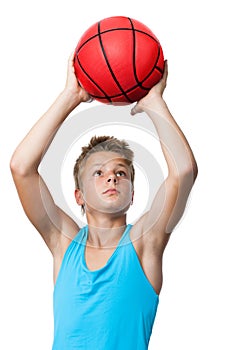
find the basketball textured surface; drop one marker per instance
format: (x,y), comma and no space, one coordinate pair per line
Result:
(118,60)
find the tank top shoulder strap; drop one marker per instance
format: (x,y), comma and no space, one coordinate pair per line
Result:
(81,237)
(125,239)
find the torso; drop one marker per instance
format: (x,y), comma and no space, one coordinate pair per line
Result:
(96,258)
(115,292)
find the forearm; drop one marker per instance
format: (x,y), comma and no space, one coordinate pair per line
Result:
(177,152)
(169,203)
(29,153)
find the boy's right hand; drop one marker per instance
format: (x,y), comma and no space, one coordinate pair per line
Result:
(72,86)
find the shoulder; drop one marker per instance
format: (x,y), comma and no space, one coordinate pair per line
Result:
(65,240)
(150,242)
(63,244)
(149,250)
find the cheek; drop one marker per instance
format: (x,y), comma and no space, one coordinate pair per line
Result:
(127,189)
(127,184)
(91,187)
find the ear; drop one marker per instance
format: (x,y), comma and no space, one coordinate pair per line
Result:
(79,196)
(132,197)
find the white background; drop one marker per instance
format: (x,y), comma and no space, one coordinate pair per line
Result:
(196,306)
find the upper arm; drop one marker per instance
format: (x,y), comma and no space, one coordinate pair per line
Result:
(51,222)
(166,210)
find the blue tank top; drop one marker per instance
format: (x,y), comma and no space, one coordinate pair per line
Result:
(112,308)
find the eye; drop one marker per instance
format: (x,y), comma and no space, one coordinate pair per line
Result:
(98,173)
(120,173)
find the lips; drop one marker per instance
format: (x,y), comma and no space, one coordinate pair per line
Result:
(110,191)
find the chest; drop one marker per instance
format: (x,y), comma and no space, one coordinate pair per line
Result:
(96,258)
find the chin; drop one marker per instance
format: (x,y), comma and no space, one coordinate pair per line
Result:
(115,209)
(112,205)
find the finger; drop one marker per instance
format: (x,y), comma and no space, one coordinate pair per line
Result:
(71,57)
(165,71)
(132,112)
(90,100)
(135,110)
(71,62)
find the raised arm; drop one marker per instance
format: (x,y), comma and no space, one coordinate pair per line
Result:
(48,219)
(170,201)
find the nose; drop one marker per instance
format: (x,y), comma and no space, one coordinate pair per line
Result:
(112,178)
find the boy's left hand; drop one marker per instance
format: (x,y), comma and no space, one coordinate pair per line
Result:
(155,92)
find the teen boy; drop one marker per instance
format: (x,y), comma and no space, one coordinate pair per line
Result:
(107,275)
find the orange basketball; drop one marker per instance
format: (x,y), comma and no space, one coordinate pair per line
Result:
(118,60)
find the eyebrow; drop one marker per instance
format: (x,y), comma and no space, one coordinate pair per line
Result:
(101,164)
(122,165)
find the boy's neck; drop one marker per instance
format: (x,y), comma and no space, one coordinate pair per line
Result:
(105,231)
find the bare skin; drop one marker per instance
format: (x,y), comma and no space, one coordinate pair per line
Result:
(107,215)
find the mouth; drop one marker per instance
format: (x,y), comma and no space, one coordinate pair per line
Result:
(110,191)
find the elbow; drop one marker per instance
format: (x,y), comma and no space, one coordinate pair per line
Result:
(194,170)
(17,166)
(189,174)
(13,164)
(190,170)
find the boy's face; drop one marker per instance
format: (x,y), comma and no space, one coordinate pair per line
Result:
(106,184)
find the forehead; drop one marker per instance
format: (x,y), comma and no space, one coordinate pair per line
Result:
(105,158)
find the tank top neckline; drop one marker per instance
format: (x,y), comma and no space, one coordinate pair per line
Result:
(84,240)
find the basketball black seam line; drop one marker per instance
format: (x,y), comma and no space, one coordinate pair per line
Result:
(84,71)
(136,30)
(153,68)
(139,84)
(109,66)
(155,65)
(134,52)
(130,89)
(115,29)
(120,94)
